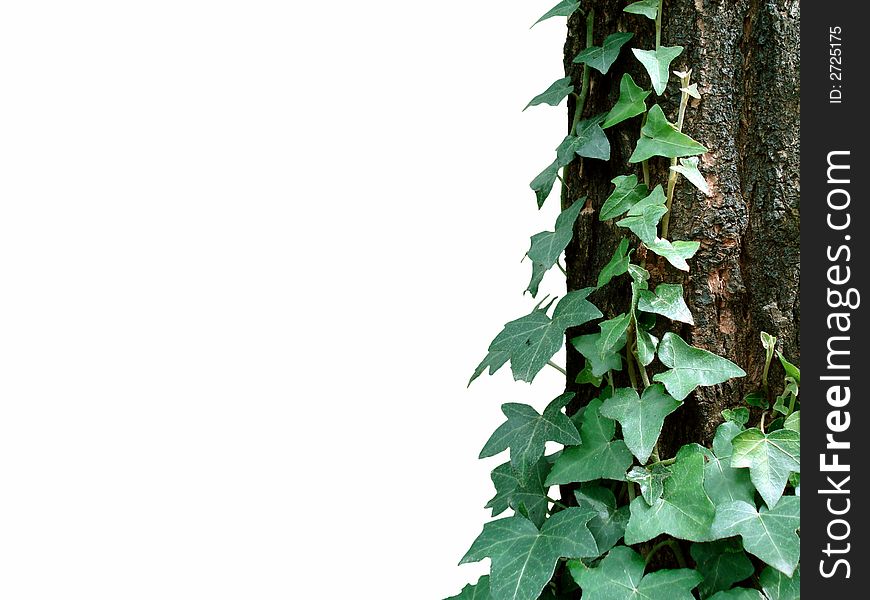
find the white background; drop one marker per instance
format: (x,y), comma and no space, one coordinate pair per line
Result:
(250,253)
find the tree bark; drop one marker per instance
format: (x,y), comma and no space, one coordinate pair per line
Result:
(744,56)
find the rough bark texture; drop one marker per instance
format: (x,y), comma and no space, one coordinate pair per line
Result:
(744,56)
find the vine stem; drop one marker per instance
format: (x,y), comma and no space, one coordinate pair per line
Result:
(561,268)
(659,25)
(673,176)
(675,548)
(557,367)
(584,85)
(556,502)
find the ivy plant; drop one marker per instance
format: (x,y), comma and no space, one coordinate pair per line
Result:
(718,522)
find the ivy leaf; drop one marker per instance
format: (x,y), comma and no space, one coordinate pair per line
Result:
(613,333)
(683,511)
(620,575)
(647,8)
(630,104)
(617,266)
(565,8)
(525,433)
(793,421)
(588,140)
(524,558)
(478,591)
(646,346)
(601,58)
(688,168)
(547,246)
(770,458)
(643,218)
(676,253)
(586,376)
(608,525)
(599,457)
(769,534)
(777,586)
(738,594)
(598,362)
(511,492)
(739,416)
(542,184)
(641,417)
(790,370)
(651,481)
(722,564)
(691,367)
(666,301)
(660,138)
(723,482)
(756,399)
(628,192)
(554,94)
(658,64)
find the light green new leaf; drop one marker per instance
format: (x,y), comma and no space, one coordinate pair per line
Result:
(722,564)
(647,8)
(554,94)
(478,591)
(768,534)
(684,510)
(599,457)
(542,184)
(525,433)
(565,8)
(601,58)
(598,362)
(723,482)
(770,458)
(588,140)
(666,301)
(777,586)
(790,369)
(630,104)
(651,481)
(676,252)
(690,367)
(628,192)
(688,168)
(620,576)
(793,421)
(661,138)
(643,218)
(646,346)
(524,558)
(511,492)
(547,246)
(608,525)
(738,594)
(641,418)
(658,64)
(586,376)
(617,266)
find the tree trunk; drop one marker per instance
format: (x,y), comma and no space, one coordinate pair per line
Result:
(744,56)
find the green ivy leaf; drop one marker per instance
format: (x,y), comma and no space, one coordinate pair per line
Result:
(478,591)
(777,586)
(617,266)
(586,376)
(646,346)
(793,421)
(630,104)
(641,418)
(511,492)
(588,140)
(643,218)
(524,558)
(684,510)
(530,341)
(554,94)
(658,64)
(739,415)
(790,370)
(770,458)
(666,301)
(608,525)
(565,8)
(620,575)
(722,564)
(547,246)
(676,252)
(542,184)
(738,594)
(598,362)
(723,482)
(660,138)
(691,367)
(647,8)
(688,168)
(601,58)
(599,457)
(526,431)
(756,399)
(768,534)
(628,192)
(613,333)
(651,481)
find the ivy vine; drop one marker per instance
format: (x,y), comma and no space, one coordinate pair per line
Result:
(719,522)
